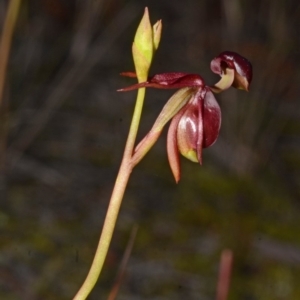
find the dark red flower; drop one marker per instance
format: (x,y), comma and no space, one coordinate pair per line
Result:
(195,113)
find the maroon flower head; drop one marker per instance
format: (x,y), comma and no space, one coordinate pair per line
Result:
(236,62)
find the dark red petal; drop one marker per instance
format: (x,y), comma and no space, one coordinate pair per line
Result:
(177,80)
(187,132)
(200,130)
(233,60)
(167,77)
(169,81)
(211,119)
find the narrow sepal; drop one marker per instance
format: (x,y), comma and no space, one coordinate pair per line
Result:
(172,147)
(177,80)
(167,81)
(145,145)
(171,108)
(128,74)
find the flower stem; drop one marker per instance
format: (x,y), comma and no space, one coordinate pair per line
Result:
(114,203)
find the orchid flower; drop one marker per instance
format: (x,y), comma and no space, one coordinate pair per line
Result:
(195,113)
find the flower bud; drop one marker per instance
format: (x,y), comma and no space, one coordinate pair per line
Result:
(157,28)
(146,41)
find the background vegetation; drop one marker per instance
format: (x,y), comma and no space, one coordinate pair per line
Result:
(66,133)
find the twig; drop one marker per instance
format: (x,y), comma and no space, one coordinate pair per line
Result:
(5,45)
(114,291)
(6,38)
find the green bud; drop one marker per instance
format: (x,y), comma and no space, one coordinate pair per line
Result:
(157,28)
(145,43)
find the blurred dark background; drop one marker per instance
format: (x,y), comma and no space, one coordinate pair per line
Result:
(66,134)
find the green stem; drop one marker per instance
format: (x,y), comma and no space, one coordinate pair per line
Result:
(114,203)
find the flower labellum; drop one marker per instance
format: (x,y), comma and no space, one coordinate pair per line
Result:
(240,65)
